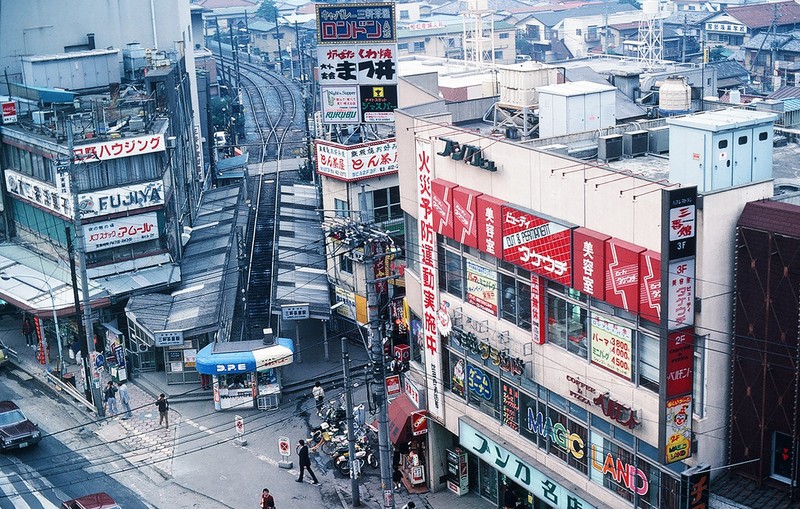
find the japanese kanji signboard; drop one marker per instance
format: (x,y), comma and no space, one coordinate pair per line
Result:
(378,103)
(355,23)
(429,279)
(357,58)
(356,162)
(676,379)
(122,147)
(537,244)
(363,65)
(123,230)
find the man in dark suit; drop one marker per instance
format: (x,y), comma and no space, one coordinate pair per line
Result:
(305,461)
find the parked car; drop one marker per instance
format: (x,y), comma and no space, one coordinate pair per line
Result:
(16,430)
(5,354)
(93,501)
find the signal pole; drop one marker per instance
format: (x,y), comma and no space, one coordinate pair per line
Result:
(351,441)
(354,235)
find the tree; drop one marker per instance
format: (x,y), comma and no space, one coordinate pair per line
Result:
(267,10)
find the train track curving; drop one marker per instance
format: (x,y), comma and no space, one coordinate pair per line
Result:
(274,132)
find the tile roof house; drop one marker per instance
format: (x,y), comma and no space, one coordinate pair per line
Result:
(736,25)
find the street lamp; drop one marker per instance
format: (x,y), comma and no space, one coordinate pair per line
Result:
(5,277)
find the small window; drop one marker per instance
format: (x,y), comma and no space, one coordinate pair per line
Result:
(742,140)
(763,136)
(722,144)
(504,35)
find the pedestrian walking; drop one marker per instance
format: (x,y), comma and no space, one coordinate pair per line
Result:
(319,396)
(509,498)
(125,400)
(267,502)
(305,461)
(163,410)
(110,397)
(27,331)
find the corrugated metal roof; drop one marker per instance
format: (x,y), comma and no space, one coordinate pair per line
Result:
(300,269)
(201,303)
(785,92)
(790,105)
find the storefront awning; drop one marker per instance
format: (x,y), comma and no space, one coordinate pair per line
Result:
(233,357)
(400,410)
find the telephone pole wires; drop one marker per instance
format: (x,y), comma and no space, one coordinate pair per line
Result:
(375,243)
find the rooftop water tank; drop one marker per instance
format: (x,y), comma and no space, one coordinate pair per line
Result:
(675,97)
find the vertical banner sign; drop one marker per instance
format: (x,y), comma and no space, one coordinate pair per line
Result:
(490,233)
(589,253)
(650,286)
(676,379)
(482,287)
(464,211)
(622,274)
(537,310)
(428,275)
(696,487)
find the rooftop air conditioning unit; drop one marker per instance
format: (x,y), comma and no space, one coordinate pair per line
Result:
(609,148)
(658,139)
(634,143)
(41,117)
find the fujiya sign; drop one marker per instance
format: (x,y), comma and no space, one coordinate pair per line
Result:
(91,204)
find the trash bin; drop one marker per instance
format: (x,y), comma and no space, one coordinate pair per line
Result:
(69,379)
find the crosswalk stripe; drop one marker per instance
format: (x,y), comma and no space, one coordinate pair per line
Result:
(21,495)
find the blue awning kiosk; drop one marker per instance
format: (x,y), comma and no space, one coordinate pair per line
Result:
(246,374)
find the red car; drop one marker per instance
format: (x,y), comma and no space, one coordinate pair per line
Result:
(94,501)
(16,431)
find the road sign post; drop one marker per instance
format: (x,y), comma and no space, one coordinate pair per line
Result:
(238,422)
(284,448)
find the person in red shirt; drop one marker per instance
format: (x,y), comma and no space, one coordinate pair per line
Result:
(267,502)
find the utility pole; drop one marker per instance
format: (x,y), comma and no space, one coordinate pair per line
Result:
(351,441)
(278,39)
(87,370)
(360,235)
(94,381)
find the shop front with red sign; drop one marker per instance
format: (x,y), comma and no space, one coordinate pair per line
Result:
(538,244)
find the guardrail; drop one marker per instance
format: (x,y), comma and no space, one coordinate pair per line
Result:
(61,387)
(13,355)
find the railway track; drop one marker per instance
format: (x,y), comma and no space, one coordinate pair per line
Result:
(275,131)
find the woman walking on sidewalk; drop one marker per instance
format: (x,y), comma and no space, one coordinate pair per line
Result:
(27,331)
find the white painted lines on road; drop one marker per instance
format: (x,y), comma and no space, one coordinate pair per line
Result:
(15,493)
(199,426)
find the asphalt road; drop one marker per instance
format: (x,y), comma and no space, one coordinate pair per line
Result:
(71,460)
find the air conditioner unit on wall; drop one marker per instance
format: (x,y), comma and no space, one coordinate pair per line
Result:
(609,148)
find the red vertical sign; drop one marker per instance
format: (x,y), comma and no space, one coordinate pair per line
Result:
(622,274)
(650,286)
(680,362)
(465,212)
(442,202)
(490,235)
(588,252)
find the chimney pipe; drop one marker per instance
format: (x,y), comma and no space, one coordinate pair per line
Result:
(90,37)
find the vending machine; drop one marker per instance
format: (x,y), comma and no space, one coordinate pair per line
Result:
(457,471)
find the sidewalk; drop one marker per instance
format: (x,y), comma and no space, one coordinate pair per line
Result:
(152,445)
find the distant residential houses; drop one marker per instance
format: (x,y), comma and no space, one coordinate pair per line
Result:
(762,38)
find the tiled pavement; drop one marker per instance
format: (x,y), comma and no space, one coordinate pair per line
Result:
(145,442)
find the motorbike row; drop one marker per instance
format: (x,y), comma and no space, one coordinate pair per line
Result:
(331,438)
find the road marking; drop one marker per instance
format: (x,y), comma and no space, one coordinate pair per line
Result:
(200,427)
(20,494)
